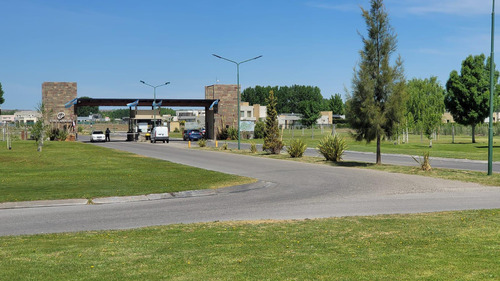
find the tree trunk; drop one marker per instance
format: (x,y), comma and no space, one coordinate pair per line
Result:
(40,141)
(379,157)
(452,133)
(474,133)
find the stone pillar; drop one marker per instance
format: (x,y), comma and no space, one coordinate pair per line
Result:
(54,96)
(227,115)
(209,123)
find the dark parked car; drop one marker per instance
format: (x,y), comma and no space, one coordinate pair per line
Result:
(192,135)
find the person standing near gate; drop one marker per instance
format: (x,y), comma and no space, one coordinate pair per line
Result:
(107,134)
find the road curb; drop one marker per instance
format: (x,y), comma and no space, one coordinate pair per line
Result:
(43,203)
(136,198)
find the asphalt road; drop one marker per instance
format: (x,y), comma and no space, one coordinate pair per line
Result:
(400,159)
(295,191)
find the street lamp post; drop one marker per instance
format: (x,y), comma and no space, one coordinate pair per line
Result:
(238,82)
(154,98)
(492,90)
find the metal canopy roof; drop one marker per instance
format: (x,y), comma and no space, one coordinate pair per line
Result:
(145,102)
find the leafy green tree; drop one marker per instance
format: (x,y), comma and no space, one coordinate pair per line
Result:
(425,105)
(2,100)
(257,95)
(272,142)
(167,111)
(468,93)
(86,110)
(376,106)
(117,113)
(310,111)
(41,129)
(288,99)
(336,105)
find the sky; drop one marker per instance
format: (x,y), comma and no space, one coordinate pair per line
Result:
(107,47)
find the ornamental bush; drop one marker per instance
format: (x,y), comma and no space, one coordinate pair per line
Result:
(332,147)
(296,148)
(232,133)
(202,142)
(253,147)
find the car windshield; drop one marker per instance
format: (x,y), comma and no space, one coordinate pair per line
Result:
(97,133)
(195,131)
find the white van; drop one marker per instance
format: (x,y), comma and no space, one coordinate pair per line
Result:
(159,134)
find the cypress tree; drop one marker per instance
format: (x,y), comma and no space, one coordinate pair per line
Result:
(272,142)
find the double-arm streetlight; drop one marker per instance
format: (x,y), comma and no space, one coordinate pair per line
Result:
(154,101)
(238,82)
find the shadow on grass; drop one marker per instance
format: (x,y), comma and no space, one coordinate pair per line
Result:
(351,164)
(485,146)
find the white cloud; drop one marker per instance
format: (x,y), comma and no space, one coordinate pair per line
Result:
(344,7)
(454,7)
(418,7)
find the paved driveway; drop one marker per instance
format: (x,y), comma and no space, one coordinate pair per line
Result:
(295,191)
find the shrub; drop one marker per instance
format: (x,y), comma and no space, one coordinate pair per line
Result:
(253,147)
(54,132)
(258,131)
(202,142)
(332,147)
(424,163)
(246,135)
(296,148)
(232,133)
(62,135)
(222,134)
(224,146)
(176,130)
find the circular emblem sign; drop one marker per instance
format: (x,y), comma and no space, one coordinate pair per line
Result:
(60,115)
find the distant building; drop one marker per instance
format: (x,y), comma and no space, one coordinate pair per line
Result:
(190,116)
(27,117)
(289,119)
(325,118)
(193,119)
(7,119)
(253,113)
(97,117)
(447,118)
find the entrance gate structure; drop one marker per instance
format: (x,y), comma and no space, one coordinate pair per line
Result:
(210,105)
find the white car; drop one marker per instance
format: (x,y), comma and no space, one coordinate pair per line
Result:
(97,136)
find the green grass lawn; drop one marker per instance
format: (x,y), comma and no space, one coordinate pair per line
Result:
(437,246)
(76,170)
(463,148)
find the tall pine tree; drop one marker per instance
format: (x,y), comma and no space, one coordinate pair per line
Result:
(376,105)
(272,142)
